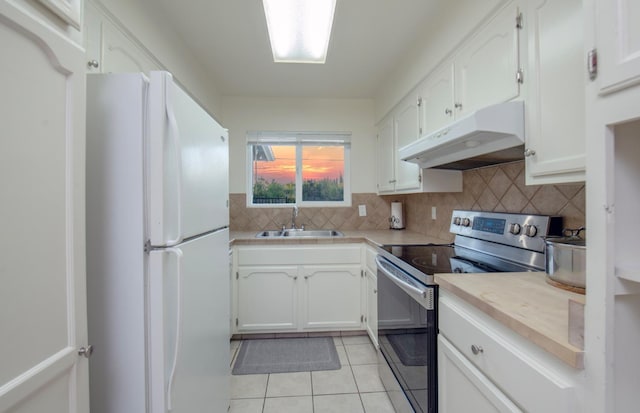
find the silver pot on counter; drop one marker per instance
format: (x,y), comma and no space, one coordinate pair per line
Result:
(566,258)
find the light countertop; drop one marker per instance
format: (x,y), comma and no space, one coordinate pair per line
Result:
(372,237)
(525,303)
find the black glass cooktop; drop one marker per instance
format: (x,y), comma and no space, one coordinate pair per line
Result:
(432,259)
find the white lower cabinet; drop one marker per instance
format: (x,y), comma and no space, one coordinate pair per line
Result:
(298,288)
(328,298)
(463,388)
(267,298)
(485,366)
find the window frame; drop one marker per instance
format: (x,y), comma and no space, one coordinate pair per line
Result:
(299,140)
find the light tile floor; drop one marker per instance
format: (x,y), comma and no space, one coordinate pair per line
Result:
(355,388)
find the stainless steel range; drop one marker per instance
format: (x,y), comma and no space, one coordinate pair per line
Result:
(408,296)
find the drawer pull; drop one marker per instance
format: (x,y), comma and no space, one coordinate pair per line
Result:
(476,349)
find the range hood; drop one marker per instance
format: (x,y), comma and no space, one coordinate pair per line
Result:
(492,135)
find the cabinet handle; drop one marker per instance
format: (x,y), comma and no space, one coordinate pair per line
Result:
(93,63)
(458,105)
(448,112)
(306,277)
(476,349)
(295,278)
(375,291)
(529,152)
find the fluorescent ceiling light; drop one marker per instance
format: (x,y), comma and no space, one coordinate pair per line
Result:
(299,30)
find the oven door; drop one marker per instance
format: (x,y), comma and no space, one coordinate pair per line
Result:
(407,336)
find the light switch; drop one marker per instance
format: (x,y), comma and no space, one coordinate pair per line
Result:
(362,210)
(433,212)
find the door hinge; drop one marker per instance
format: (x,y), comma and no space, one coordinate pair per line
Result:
(520,76)
(362,319)
(361,273)
(519,20)
(419,102)
(592,64)
(227,203)
(419,132)
(237,275)
(419,178)
(236,322)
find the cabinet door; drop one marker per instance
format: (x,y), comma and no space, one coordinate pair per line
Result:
(463,388)
(267,298)
(406,131)
(436,109)
(42,160)
(486,68)
(110,48)
(618,41)
(555,109)
(386,175)
(331,297)
(371,315)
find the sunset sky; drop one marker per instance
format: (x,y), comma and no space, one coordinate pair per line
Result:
(318,162)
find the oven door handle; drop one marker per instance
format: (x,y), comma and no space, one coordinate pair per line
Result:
(424,293)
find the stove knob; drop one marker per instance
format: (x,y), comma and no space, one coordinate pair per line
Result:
(466,222)
(530,230)
(514,228)
(456,220)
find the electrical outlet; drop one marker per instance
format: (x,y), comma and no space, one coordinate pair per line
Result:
(433,212)
(362,210)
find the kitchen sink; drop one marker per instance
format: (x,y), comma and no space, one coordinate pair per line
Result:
(300,233)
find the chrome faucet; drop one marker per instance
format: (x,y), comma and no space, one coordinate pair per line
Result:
(294,215)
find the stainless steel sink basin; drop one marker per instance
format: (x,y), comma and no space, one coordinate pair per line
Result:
(269,234)
(300,233)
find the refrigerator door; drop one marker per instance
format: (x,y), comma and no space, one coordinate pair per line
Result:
(187,168)
(189,326)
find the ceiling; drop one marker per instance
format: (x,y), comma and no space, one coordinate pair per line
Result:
(230,39)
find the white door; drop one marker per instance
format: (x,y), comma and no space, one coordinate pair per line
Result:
(618,44)
(386,174)
(436,109)
(189,326)
(42,264)
(485,69)
(267,298)
(406,132)
(188,165)
(331,296)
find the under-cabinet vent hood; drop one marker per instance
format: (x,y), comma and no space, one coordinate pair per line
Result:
(492,135)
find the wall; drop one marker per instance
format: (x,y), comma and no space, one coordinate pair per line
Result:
(241,114)
(153,30)
(456,20)
(498,188)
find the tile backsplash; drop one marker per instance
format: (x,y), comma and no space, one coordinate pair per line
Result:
(497,188)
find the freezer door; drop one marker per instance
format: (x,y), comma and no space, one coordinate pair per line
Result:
(189,326)
(187,168)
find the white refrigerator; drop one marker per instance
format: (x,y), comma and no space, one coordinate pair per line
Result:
(157,248)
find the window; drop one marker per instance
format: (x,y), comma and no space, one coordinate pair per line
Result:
(298,168)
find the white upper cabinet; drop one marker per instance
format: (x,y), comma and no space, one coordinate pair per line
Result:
(386,174)
(486,68)
(555,111)
(436,99)
(406,123)
(618,43)
(109,49)
(400,128)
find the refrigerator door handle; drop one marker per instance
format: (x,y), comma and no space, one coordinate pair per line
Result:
(175,136)
(178,337)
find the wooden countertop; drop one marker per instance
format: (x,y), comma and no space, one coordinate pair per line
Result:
(374,238)
(525,303)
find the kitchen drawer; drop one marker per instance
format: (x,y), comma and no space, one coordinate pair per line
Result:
(299,255)
(533,379)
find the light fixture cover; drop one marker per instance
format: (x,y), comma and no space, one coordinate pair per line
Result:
(299,30)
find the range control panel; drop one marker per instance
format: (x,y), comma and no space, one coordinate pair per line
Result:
(517,230)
